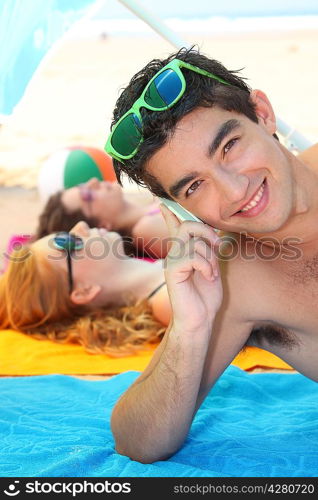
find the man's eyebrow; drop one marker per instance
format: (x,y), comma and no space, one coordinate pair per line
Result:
(175,189)
(223,131)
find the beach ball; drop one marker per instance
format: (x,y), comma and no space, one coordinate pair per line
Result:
(71,166)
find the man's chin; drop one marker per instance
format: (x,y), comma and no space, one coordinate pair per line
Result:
(272,230)
(257,230)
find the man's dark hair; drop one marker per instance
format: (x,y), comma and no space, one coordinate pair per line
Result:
(159,126)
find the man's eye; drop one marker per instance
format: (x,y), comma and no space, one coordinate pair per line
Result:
(229,145)
(192,188)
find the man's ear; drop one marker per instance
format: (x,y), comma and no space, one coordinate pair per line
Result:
(85,294)
(264,110)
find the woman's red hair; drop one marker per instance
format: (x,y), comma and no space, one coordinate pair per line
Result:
(34,299)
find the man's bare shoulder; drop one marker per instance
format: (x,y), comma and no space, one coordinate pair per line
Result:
(238,255)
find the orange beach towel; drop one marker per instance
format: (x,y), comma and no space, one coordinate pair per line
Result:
(22,355)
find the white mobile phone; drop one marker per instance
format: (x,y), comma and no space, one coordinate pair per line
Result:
(179,211)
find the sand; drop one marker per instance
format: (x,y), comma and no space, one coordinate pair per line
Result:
(71,98)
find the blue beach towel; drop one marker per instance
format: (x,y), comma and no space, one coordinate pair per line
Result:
(250,425)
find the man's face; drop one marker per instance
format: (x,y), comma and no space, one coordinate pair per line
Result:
(229,171)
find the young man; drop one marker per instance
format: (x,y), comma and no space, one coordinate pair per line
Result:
(198,135)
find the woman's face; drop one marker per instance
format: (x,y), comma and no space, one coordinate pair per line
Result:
(102,200)
(95,265)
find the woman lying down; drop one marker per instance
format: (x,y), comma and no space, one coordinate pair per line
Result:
(81,287)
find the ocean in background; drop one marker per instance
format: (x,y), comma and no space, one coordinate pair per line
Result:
(203,16)
(207,8)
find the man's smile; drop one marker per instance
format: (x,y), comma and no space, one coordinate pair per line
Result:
(256,204)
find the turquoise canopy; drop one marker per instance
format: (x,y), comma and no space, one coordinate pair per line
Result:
(28,29)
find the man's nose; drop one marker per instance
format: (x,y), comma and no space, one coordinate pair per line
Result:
(232,186)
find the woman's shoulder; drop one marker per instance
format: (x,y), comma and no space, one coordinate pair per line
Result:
(147,217)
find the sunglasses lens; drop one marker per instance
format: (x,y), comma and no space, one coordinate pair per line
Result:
(67,241)
(164,89)
(127,135)
(61,241)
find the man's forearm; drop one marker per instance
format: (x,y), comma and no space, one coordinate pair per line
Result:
(151,420)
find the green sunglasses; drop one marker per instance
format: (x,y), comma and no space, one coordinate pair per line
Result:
(161,93)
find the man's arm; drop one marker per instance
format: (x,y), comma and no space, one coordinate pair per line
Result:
(151,420)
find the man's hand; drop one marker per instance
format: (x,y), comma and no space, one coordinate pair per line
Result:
(192,274)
